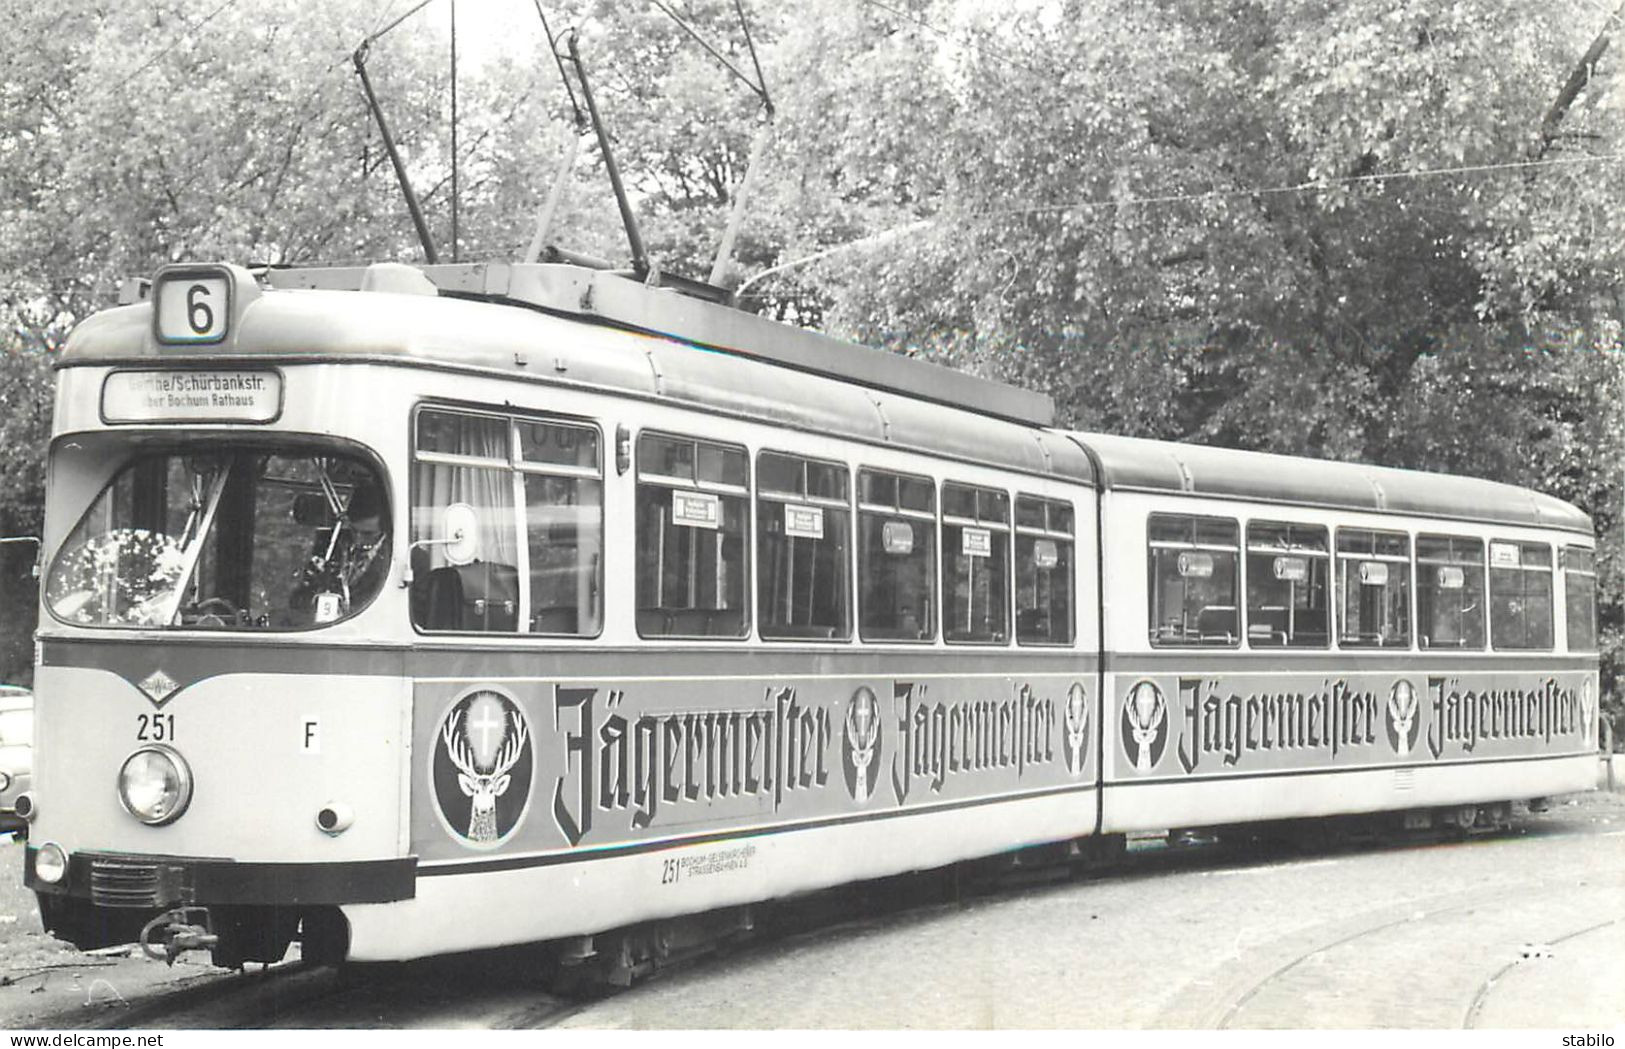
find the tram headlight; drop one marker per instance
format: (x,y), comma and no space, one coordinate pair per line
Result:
(50,863)
(155,785)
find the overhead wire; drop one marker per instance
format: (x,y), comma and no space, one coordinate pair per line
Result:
(371,38)
(172,45)
(376,35)
(1306,186)
(385,15)
(886,236)
(759,86)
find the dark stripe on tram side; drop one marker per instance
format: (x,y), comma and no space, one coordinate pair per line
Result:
(590,853)
(428,660)
(210,657)
(1209,779)
(189,660)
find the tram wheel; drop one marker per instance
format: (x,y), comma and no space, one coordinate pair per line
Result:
(324,937)
(251,934)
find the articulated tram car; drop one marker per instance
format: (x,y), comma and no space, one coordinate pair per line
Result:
(416,610)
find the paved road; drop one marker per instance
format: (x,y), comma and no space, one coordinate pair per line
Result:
(1525,930)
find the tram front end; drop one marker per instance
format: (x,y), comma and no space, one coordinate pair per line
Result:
(222,731)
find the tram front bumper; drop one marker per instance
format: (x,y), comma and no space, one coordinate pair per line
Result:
(147,882)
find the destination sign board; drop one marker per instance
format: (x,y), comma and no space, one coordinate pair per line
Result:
(192,395)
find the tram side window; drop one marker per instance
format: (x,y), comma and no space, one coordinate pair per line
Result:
(1580,597)
(1450,591)
(1373,589)
(1287,603)
(897,535)
(1520,595)
(975,565)
(482,485)
(1044,577)
(693,516)
(464,547)
(803,549)
(1193,580)
(564,526)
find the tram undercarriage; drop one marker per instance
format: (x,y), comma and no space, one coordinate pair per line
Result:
(233,934)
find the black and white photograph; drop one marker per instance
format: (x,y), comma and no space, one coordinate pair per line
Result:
(617,517)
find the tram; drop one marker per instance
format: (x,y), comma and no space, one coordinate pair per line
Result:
(414,610)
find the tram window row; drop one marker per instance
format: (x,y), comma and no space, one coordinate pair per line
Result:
(881,556)
(1295,579)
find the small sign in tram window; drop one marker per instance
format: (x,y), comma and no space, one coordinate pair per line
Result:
(1373,573)
(1195,565)
(803,522)
(1504,555)
(897,537)
(1291,569)
(1451,578)
(1045,554)
(696,510)
(975,542)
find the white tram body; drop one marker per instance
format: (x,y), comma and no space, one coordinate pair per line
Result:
(426,611)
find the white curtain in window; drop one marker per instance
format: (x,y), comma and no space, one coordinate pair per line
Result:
(488,490)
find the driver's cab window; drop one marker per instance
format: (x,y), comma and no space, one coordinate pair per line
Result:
(234,538)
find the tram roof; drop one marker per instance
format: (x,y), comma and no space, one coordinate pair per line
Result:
(613,298)
(853,392)
(1164,466)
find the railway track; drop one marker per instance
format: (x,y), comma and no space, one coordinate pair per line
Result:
(1447,946)
(211,999)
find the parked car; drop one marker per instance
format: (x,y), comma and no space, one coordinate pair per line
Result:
(16,753)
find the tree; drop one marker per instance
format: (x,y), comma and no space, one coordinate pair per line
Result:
(135,136)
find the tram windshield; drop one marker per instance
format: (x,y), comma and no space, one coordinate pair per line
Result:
(229,539)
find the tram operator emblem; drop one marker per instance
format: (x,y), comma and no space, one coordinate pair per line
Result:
(159,687)
(1145,725)
(1403,725)
(1588,710)
(1077,727)
(482,768)
(862,737)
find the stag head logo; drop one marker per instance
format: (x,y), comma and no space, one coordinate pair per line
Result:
(862,737)
(482,768)
(1403,726)
(1077,727)
(1588,710)
(1145,725)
